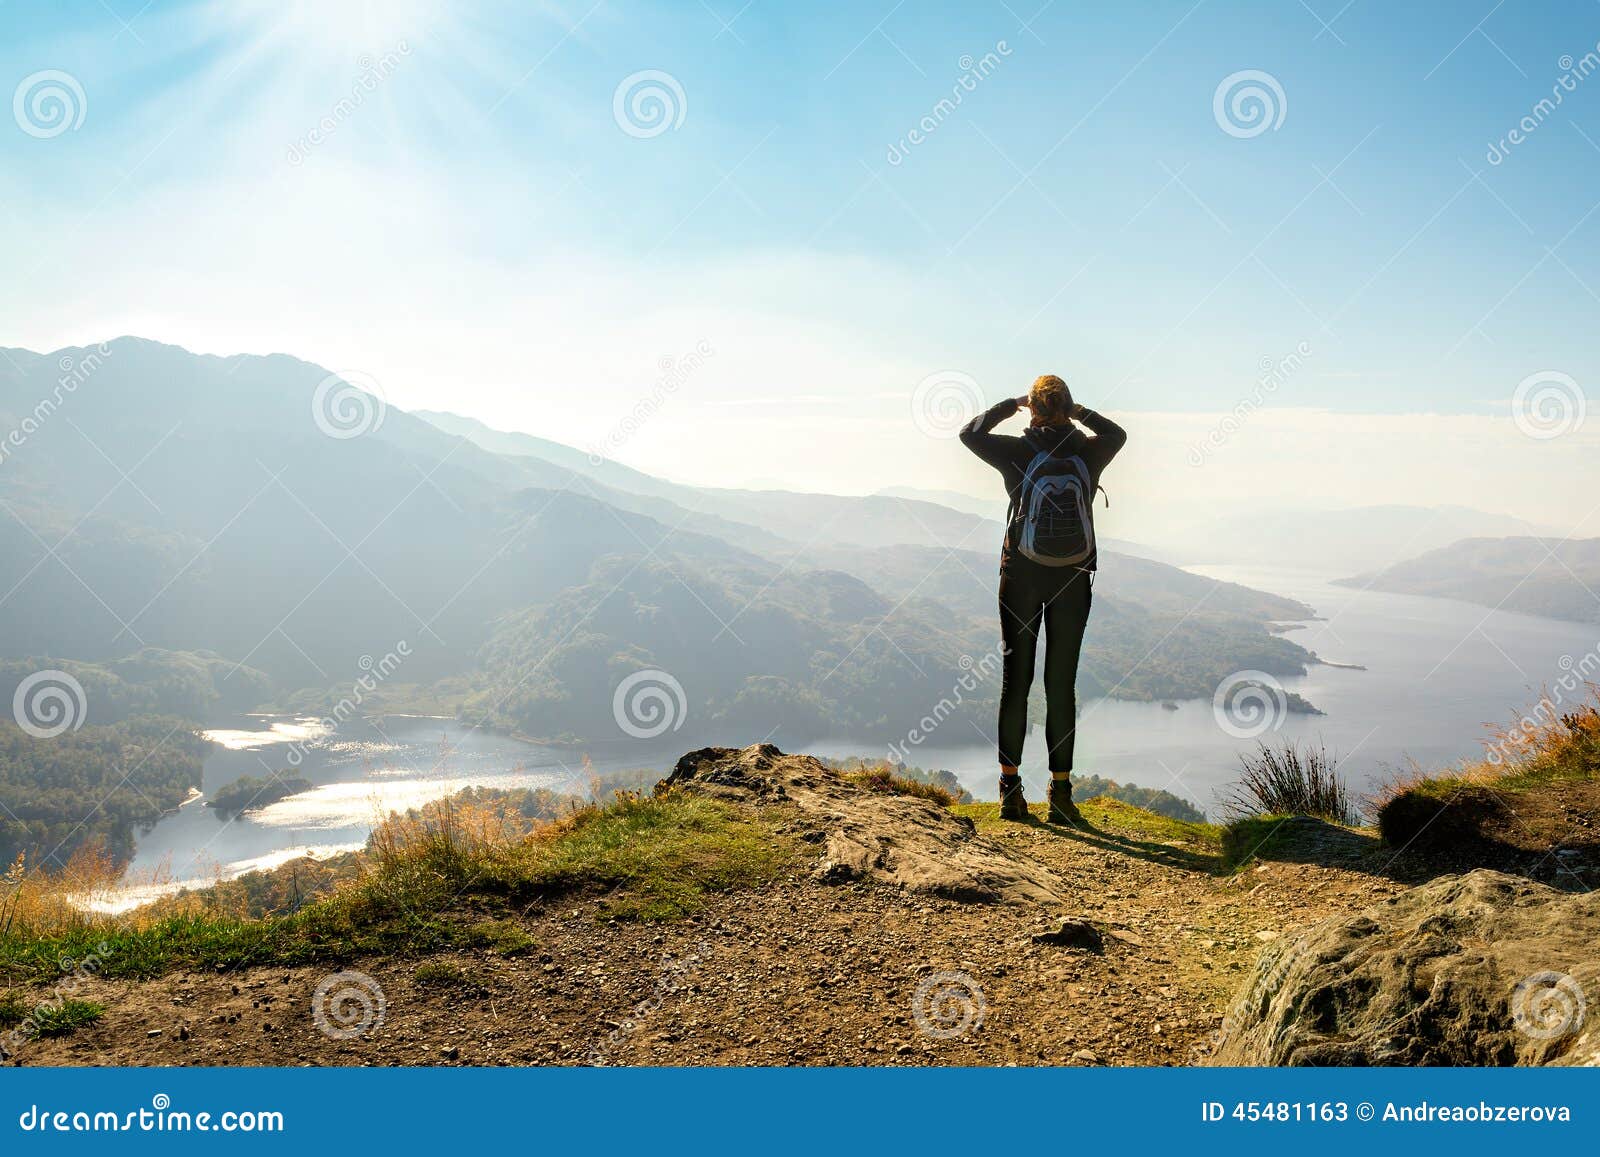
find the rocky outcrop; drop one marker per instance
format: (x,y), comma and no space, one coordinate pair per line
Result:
(1481,969)
(893,839)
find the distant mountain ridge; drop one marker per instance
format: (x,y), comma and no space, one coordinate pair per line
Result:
(802,518)
(1339,541)
(194,503)
(1552,577)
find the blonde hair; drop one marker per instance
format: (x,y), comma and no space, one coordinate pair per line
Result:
(1050,400)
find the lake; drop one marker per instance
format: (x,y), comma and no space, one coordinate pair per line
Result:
(1437,673)
(369,768)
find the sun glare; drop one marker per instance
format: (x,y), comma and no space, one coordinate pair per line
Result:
(342,28)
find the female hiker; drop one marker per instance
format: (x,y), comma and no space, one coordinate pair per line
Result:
(1046,570)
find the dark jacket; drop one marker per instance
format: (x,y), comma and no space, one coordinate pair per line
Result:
(1010,455)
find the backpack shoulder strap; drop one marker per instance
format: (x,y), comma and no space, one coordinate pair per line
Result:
(1015,505)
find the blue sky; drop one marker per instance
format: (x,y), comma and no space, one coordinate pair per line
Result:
(480,233)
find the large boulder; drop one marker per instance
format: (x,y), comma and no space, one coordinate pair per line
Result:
(892,839)
(1480,969)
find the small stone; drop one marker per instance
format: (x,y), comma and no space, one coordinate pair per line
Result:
(153,1032)
(450,1052)
(1087,1057)
(1266,936)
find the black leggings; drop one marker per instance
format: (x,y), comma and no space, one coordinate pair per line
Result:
(1058,599)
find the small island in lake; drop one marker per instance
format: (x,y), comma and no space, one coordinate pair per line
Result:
(251,792)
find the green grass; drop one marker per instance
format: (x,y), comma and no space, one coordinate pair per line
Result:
(1152,826)
(654,859)
(1105,812)
(1527,778)
(644,859)
(502,937)
(49,1017)
(1205,847)
(67,1016)
(442,974)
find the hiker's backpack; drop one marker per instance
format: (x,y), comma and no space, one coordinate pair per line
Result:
(1055,511)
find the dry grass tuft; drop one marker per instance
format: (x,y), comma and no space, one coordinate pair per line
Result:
(1290,781)
(883,779)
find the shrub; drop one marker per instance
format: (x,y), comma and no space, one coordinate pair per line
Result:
(1289,781)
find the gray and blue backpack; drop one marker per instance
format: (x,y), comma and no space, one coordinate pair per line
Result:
(1055,511)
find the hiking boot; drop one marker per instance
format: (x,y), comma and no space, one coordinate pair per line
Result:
(1012,804)
(1062,809)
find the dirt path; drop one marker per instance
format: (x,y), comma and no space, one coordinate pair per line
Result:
(807,972)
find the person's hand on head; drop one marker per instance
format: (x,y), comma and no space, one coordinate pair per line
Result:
(1022,403)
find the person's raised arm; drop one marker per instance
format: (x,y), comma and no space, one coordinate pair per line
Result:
(976,436)
(1108,436)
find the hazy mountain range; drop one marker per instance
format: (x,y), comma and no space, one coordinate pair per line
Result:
(173,502)
(1556,578)
(1337,541)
